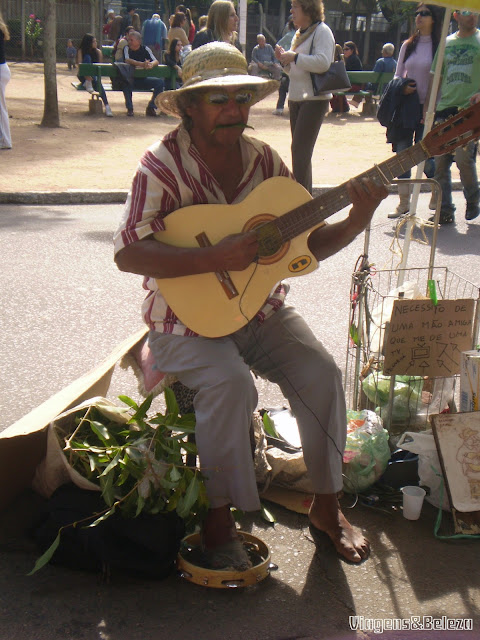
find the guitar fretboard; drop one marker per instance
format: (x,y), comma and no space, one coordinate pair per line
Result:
(314,211)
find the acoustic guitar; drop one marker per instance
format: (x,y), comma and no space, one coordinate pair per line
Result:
(284,215)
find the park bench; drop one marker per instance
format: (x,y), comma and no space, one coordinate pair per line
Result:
(106,70)
(107,51)
(379,79)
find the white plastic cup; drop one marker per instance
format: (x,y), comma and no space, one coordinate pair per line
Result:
(412,502)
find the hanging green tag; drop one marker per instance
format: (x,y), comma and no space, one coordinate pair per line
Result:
(432,289)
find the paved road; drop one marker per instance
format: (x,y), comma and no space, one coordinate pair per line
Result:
(65,308)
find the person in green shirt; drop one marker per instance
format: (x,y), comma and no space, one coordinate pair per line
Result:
(459,87)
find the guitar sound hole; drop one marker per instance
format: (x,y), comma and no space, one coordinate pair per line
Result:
(270,240)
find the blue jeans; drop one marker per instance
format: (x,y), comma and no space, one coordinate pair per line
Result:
(144,83)
(406,142)
(466,163)
(88,60)
(282,91)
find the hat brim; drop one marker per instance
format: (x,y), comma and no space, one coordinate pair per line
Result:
(167,101)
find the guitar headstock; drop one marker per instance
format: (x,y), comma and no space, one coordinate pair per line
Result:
(455,132)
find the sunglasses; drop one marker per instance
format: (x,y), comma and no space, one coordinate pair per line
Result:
(466,13)
(218,98)
(424,14)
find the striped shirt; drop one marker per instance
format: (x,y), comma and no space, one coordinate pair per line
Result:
(172,175)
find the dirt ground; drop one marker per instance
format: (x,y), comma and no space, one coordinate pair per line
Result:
(96,152)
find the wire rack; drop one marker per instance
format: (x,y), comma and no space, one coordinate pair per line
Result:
(404,404)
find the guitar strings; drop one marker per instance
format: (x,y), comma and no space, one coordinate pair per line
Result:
(297,393)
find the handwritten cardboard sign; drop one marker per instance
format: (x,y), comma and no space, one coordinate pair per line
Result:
(424,339)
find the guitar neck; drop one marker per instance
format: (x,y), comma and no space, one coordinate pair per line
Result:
(312,213)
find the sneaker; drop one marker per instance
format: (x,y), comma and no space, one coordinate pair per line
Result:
(108,111)
(472,211)
(447,218)
(150,111)
(277,112)
(399,211)
(88,86)
(130,113)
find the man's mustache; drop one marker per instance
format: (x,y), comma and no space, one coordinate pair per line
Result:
(240,125)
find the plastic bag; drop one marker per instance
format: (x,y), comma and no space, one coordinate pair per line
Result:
(429,469)
(366,451)
(407,394)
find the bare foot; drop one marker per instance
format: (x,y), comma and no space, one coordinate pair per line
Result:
(325,514)
(219,527)
(223,547)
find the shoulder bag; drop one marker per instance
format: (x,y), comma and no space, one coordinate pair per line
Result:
(335,79)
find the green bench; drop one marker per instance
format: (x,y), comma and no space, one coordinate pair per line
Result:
(370,98)
(107,51)
(101,70)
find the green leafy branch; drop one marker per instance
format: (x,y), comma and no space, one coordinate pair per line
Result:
(138,462)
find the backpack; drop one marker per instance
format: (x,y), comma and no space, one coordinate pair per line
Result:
(146,546)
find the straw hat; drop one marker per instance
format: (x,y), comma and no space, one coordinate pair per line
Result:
(215,65)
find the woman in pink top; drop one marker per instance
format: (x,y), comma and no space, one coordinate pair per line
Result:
(414,62)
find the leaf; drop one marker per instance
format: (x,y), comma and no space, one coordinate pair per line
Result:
(269,426)
(112,464)
(353,334)
(190,447)
(91,460)
(103,517)
(175,474)
(186,503)
(267,515)
(143,409)
(107,489)
(102,432)
(171,402)
(187,421)
(140,505)
(128,401)
(47,556)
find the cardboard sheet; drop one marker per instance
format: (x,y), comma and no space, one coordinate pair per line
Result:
(23,444)
(424,339)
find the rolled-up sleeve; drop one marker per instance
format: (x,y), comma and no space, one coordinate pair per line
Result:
(153,196)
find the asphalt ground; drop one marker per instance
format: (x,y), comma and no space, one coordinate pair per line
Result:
(65,307)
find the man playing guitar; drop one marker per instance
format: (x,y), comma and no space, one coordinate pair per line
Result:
(208,160)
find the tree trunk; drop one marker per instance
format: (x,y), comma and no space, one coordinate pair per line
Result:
(366,43)
(282,19)
(353,19)
(50,109)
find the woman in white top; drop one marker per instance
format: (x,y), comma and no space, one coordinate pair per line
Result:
(5,136)
(312,51)
(414,62)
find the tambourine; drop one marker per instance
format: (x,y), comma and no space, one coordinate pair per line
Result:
(220,579)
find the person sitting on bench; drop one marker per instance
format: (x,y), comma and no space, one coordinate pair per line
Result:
(141,57)
(263,61)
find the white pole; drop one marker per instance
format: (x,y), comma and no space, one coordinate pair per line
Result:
(243,25)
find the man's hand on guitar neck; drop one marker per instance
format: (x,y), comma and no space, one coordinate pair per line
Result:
(365,196)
